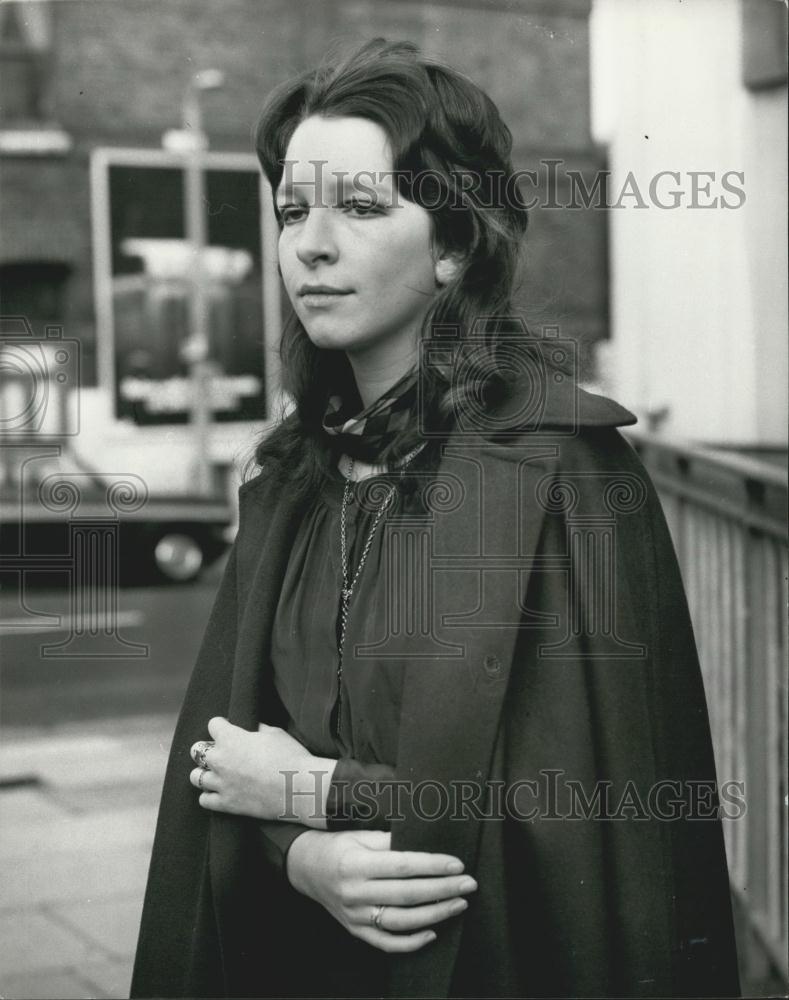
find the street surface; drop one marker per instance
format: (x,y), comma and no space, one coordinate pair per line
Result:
(41,690)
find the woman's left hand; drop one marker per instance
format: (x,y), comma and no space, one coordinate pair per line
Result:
(265,774)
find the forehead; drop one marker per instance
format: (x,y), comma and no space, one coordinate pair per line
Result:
(344,146)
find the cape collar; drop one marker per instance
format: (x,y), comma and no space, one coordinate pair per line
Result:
(556,402)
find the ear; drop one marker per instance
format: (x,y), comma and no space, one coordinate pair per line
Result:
(447,266)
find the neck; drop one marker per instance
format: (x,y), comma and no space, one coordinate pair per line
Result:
(375,371)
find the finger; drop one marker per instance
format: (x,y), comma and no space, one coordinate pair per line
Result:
(413,891)
(374,840)
(218,726)
(263,728)
(399,919)
(198,750)
(205,780)
(210,801)
(395,943)
(409,864)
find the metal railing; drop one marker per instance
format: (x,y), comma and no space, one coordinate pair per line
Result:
(727,516)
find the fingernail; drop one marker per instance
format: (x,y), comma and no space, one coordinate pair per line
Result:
(431,936)
(455,867)
(459,905)
(467,884)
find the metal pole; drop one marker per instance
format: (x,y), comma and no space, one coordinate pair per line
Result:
(196,349)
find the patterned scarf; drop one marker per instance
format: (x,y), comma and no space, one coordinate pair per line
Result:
(365,434)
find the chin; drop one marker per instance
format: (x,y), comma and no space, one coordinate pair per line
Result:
(334,337)
(330,340)
(327,343)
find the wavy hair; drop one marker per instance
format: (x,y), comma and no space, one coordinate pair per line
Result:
(447,133)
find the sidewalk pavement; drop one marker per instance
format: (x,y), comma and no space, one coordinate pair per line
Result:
(78,807)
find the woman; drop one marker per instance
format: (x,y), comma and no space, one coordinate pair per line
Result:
(447,715)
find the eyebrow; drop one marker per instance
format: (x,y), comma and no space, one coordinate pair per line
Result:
(286,190)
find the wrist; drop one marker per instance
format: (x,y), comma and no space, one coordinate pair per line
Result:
(300,861)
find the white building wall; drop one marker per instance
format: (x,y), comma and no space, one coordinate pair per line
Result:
(698,294)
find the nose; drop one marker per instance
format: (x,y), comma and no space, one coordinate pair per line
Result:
(316,240)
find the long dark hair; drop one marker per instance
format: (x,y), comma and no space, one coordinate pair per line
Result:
(445,131)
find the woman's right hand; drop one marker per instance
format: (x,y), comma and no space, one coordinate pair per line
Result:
(353,873)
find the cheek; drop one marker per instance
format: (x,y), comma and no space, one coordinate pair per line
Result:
(414,250)
(405,264)
(283,255)
(287,259)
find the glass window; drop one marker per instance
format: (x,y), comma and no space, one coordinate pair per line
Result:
(153,285)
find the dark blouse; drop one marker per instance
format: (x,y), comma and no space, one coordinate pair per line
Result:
(304,644)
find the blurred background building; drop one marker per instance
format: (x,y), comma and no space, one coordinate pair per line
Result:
(138,282)
(690,100)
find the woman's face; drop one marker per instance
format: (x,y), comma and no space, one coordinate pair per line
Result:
(347,228)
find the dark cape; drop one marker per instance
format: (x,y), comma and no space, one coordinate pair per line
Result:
(560,644)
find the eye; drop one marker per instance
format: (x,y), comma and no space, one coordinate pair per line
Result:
(362,207)
(291,213)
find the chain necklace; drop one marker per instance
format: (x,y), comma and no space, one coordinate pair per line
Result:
(348,588)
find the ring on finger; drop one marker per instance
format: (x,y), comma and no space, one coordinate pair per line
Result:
(199,751)
(375,917)
(200,777)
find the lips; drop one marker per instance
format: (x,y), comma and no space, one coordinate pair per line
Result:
(321,296)
(308,290)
